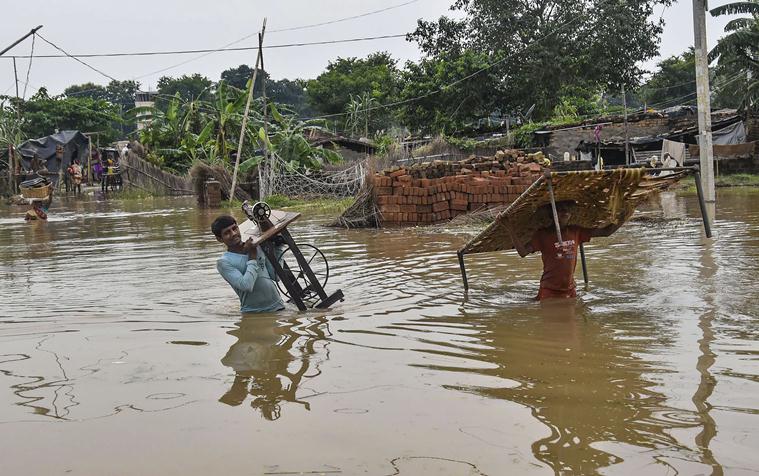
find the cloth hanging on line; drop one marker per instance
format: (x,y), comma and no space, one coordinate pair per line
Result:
(676,151)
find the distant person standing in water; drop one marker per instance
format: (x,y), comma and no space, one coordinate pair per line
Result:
(76,175)
(246,269)
(559,259)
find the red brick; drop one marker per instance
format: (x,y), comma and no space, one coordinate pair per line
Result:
(440,206)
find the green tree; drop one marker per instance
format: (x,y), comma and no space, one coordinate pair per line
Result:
(451,107)
(737,53)
(674,81)
(291,93)
(376,75)
(239,77)
(539,48)
(42,114)
(86,90)
(188,87)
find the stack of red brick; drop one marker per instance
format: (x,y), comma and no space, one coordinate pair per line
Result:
(407,196)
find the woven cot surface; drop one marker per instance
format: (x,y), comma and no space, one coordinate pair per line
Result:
(602,198)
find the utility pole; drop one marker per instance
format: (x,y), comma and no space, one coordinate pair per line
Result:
(627,133)
(33,31)
(15,75)
(245,120)
(704,102)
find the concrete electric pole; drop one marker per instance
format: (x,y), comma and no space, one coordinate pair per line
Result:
(704,101)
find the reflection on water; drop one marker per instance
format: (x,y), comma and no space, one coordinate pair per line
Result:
(270,359)
(115,327)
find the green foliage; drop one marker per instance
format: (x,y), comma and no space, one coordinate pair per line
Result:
(186,131)
(454,106)
(540,56)
(188,88)
(287,140)
(376,75)
(86,90)
(523,136)
(321,205)
(737,54)
(284,91)
(359,120)
(241,75)
(673,82)
(42,114)
(208,130)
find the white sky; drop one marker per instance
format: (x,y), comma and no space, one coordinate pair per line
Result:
(105,26)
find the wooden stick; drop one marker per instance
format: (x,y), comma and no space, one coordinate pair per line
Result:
(245,116)
(584,264)
(553,206)
(463,270)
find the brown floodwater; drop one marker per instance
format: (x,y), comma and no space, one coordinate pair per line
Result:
(122,352)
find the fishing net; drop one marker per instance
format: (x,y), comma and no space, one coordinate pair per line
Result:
(278,178)
(602,198)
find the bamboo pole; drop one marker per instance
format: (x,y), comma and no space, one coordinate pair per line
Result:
(263,193)
(245,117)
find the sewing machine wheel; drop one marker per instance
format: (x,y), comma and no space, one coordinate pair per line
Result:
(261,211)
(318,264)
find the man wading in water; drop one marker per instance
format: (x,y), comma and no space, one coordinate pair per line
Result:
(246,269)
(559,259)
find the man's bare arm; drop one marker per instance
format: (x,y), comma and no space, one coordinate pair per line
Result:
(521,248)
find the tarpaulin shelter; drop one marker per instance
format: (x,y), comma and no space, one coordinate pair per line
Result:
(75,145)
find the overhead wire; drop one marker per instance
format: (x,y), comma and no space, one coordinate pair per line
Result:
(241,48)
(340,20)
(162,70)
(465,78)
(29,69)
(75,58)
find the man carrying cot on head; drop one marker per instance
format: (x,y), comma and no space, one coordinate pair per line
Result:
(559,259)
(245,267)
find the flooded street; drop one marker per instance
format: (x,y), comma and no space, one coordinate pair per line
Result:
(122,352)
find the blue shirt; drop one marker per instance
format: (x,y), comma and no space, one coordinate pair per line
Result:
(252,280)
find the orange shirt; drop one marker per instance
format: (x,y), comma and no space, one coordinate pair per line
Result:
(558,266)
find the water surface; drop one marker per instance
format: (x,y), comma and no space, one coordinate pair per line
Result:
(122,352)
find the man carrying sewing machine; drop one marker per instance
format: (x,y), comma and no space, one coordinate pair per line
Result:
(246,269)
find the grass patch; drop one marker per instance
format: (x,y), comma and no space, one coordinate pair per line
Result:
(316,205)
(688,184)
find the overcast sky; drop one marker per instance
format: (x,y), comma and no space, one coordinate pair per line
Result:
(106,26)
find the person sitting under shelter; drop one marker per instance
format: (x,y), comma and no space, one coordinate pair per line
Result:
(559,259)
(246,269)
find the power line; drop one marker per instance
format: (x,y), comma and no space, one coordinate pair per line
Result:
(256,33)
(242,48)
(29,69)
(75,58)
(465,78)
(340,20)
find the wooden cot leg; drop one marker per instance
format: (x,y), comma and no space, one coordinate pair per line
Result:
(584,264)
(463,270)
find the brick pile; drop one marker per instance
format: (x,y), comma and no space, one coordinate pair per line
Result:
(434,192)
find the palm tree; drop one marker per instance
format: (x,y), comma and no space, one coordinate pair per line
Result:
(738,52)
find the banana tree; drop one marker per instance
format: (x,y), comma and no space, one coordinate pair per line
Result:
(738,52)
(287,140)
